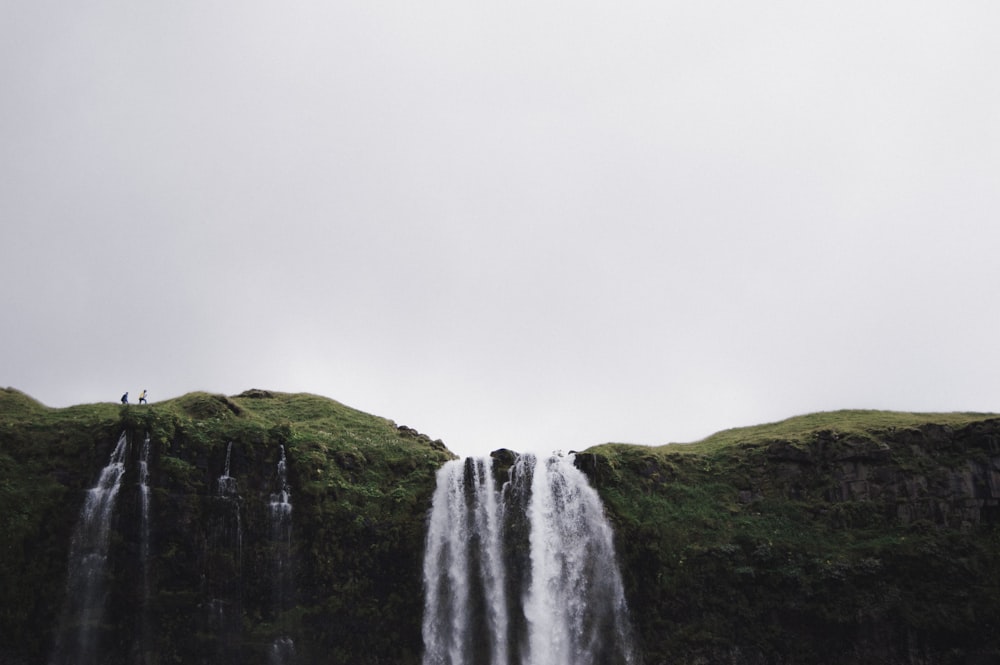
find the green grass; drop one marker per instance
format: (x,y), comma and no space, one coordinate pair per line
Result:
(856,422)
(721,447)
(333,446)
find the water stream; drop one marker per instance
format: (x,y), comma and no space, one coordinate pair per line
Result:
(224,566)
(280,514)
(83,610)
(523,575)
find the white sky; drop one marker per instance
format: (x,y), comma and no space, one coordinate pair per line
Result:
(524,224)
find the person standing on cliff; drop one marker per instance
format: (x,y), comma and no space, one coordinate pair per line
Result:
(142,397)
(125,398)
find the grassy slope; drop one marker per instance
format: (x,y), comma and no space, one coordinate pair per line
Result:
(859,422)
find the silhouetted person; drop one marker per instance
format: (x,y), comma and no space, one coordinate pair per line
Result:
(142,397)
(125,398)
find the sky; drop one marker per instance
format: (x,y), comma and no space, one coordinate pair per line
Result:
(534,225)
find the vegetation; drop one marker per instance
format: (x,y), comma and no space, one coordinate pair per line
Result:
(852,536)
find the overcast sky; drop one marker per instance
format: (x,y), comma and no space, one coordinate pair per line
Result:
(524,224)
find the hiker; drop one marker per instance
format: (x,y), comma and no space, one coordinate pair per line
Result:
(142,397)
(125,398)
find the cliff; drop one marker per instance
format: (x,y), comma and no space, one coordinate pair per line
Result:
(211,588)
(835,538)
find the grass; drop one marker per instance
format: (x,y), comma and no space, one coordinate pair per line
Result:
(330,445)
(731,447)
(849,422)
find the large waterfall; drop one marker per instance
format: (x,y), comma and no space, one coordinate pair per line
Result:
(523,575)
(85,587)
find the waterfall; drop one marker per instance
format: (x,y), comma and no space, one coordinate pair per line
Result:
(280,514)
(229,492)
(521,576)
(224,566)
(144,505)
(463,566)
(144,537)
(85,587)
(227,484)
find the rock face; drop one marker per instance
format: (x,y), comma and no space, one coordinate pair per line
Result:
(939,474)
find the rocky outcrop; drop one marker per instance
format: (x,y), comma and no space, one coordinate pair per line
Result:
(947,477)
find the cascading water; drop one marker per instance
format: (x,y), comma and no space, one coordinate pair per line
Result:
(230,493)
(76,642)
(280,514)
(524,576)
(227,484)
(144,538)
(224,566)
(144,504)
(463,568)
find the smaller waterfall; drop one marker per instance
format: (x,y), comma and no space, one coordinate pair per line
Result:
(280,514)
(144,538)
(144,504)
(227,484)
(280,511)
(224,566)
(229,491)
(83,610)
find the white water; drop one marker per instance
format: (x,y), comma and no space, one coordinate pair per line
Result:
(85,587)
(281,501)
(282,651)
(280,512)
(223,571)
(464,541)
(522,576)
(144,537)
(227,484)
(229,491)
(144,499)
